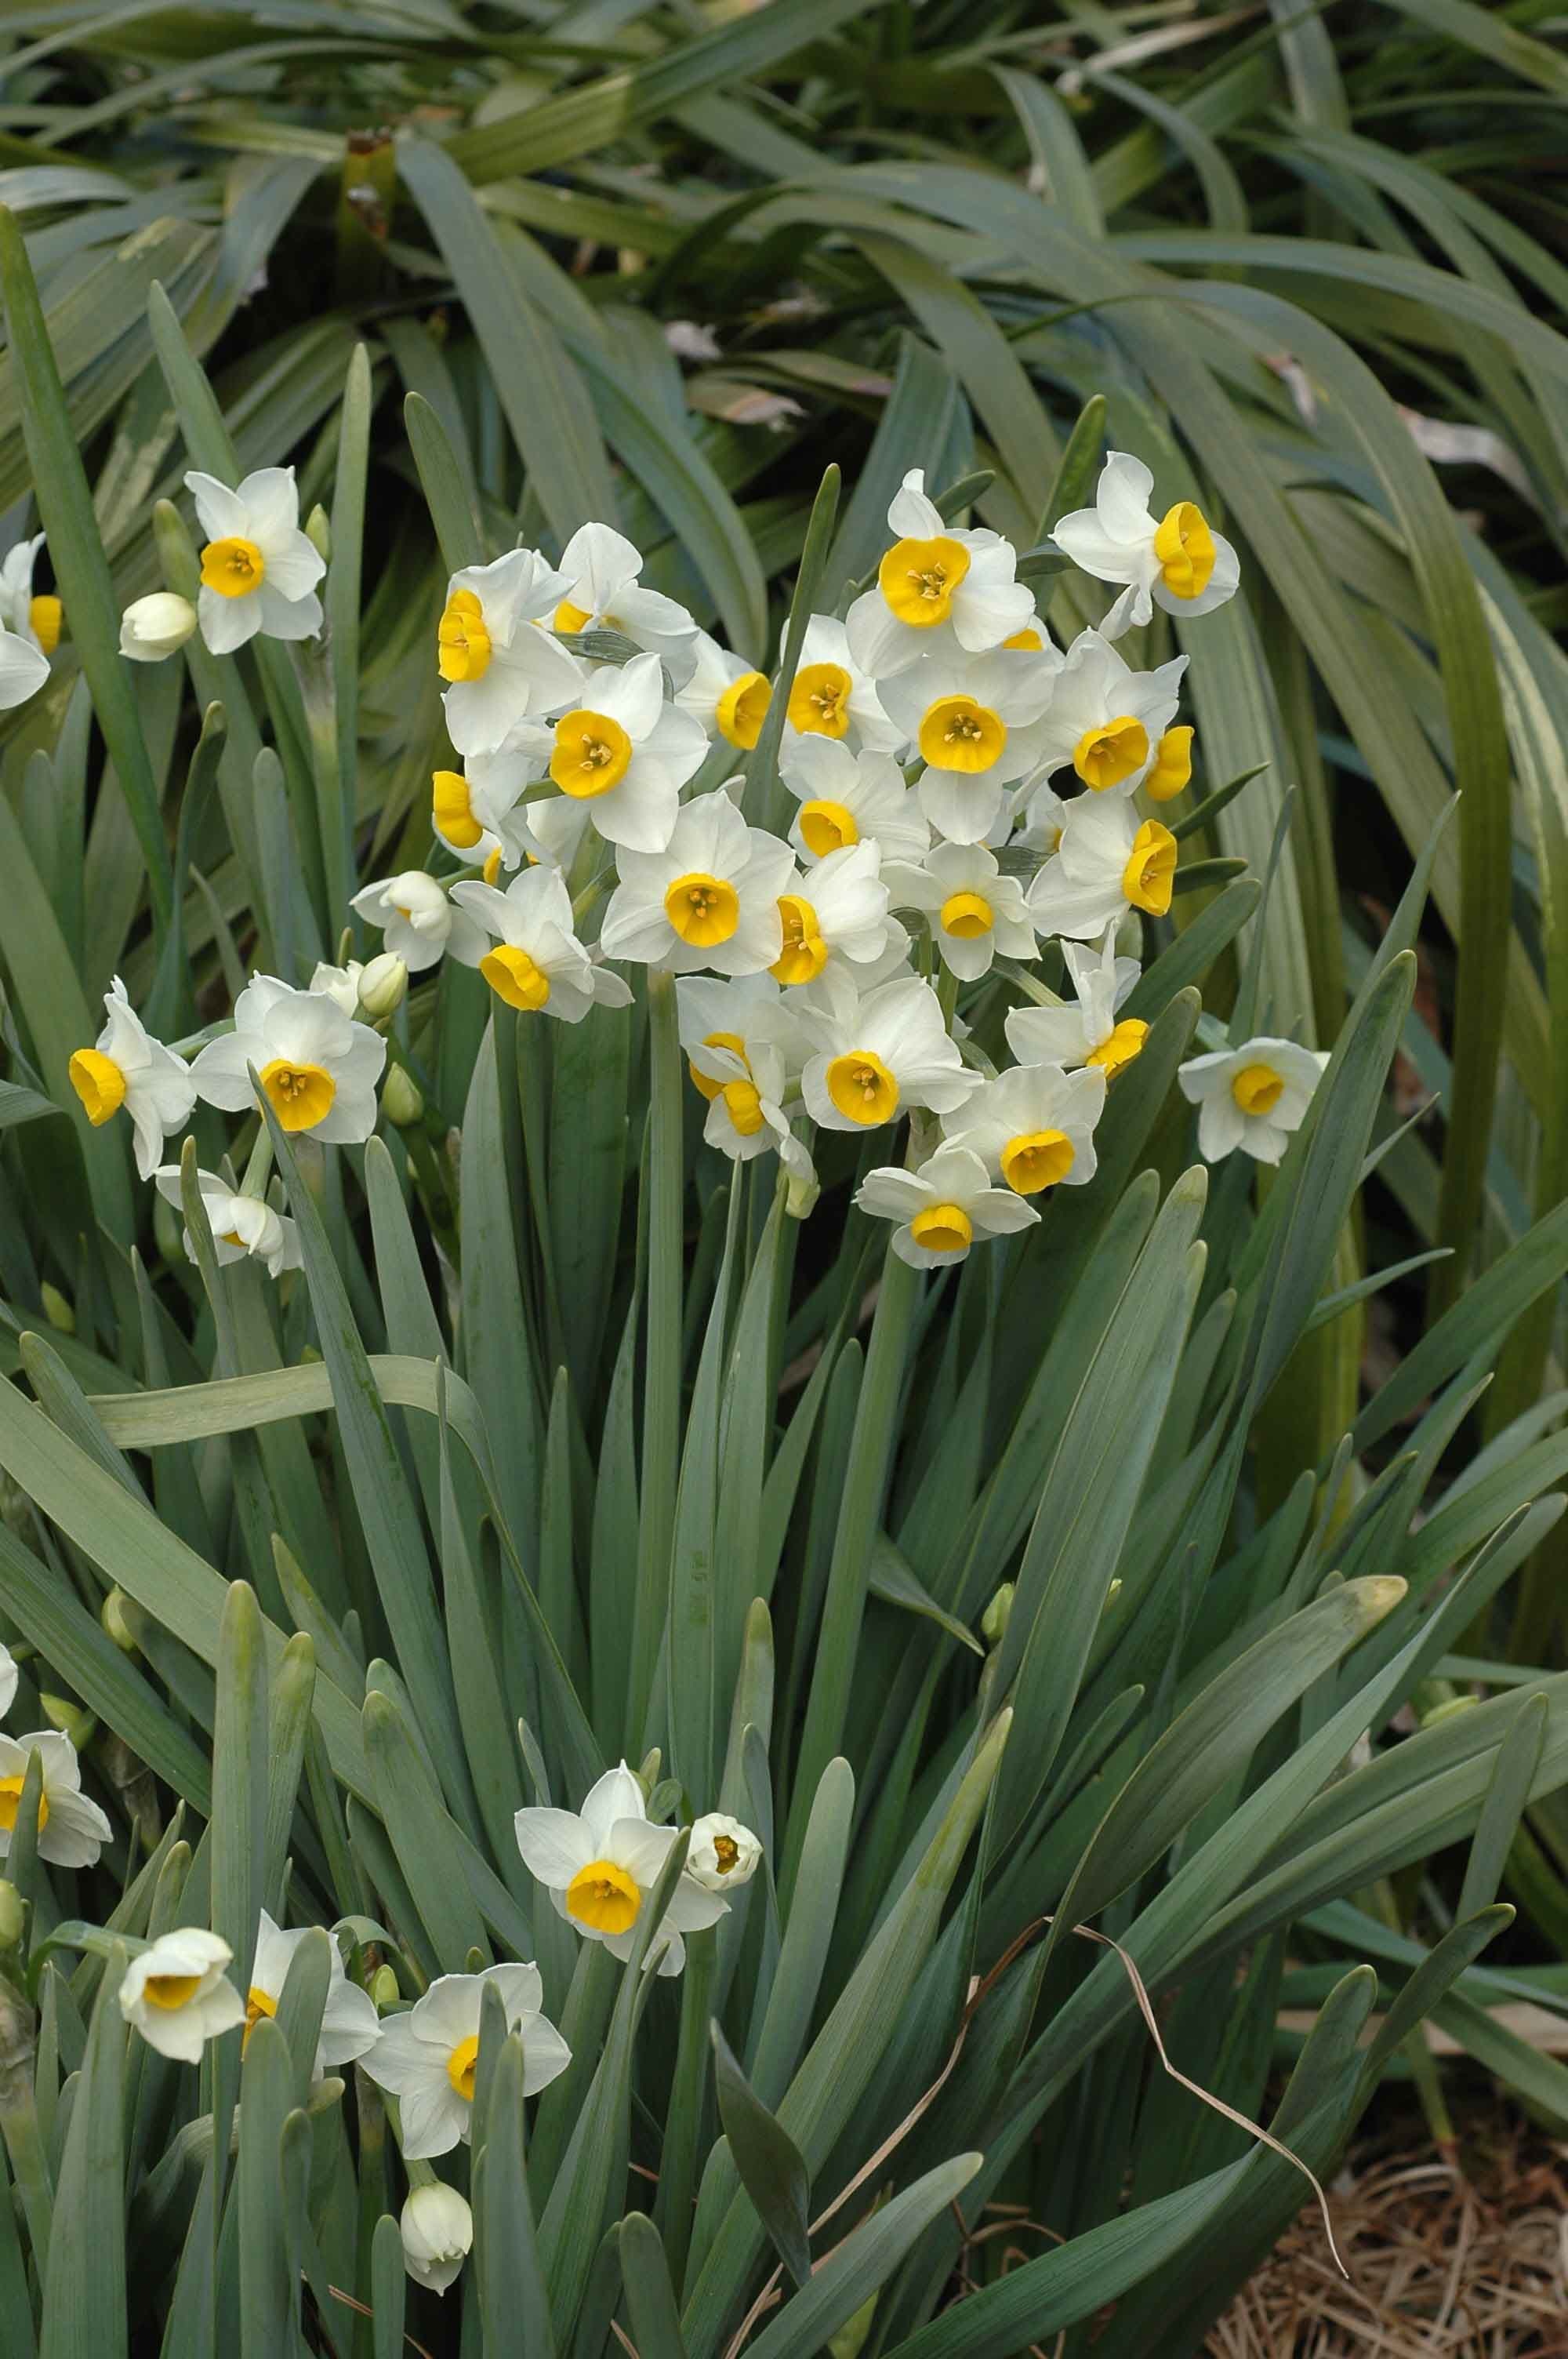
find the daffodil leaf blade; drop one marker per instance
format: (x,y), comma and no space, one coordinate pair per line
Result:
(863,2262)
(650,2296)
(240,1778)
(268,2303)
(85,2309)
(768,2161)
(512,2290)
(421,1834)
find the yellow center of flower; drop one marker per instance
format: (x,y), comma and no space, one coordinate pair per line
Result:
(743,709)
(98,1082)
(726,1852)
(462,643)
(743,1103)
(491,869)
(1104,757)
(46,615)
(959,734)
(592,753)
(232,1237)
(862,1087)
(604,1896)
(1036,1159)
(1173,765)
(704,910)
(170,1991)
(1151,866)
(732,1040)
(10,1795)
(301,1095)
(1184,547)
(461,2066)
(1030,640)
(234,568)
(1257,1089)
(453,808)
(819,701)
(513,977)
(258,2003)
(942,1228)
(568,618)
(918,578)
(827,827)
(1118,1047)
(804,952)
(967,915)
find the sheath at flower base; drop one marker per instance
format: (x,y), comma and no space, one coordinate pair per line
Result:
(710,898)
(970,720)
(259,572)
(242,1227)
(535,963)
(427,2057)
(600,1865)
(1033,1127)
(939,591)
(1106,722)
(1176,560)
(846,797)
(1253,1097)
(350,2023)
(729,696)
(178,1995)
(126,1068)
(1085,1032)
(1108,861)
(626,753)
(974,911)
(604,592)
(830,698)
(419,923)
(944,1208)
(877,1054)
(318,1067)
(499,667)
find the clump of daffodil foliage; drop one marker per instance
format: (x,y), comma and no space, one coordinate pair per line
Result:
(645,1642)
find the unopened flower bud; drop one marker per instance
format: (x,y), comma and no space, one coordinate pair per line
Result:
(57,1309)
(382,986)
(1449,1709)
(116,1622)
(995,1619)
(437,2227)
(401,1102)
(723,1853)
(12,1915)
(384,1987)
(72,1720)
(156,626)
(319,532)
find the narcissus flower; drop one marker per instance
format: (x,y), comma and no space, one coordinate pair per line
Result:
(942,1208)
(417,920)
(8,1681)
(604,592)
(599,1866)
(1176,562)
(537,965)
(709,898)
(724,1855)
(350,2023)
(317,1067)
(975,910)
(1033,1127)
(259,572)
(30,626)
(427,2057)
(969,719)
(1108,861)
(176,1992)
(499,671)
(727,694)
(743,1047)
(126,1067)
(72,1829)
(156,626)
(1085,1032)
(436,2228)
(627,753)
(937,590)
(1253,1097)
(878,1055)
(845,797)
(241,1224)
(479,812)
(838,910)
(1105,720)
(831,697)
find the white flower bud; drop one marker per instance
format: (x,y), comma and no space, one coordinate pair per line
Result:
(723,1854)
(156,626)
(437,2227)
(382,987)
(341,984)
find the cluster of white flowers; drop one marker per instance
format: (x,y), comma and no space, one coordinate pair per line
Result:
(928,740)
(71,1829)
